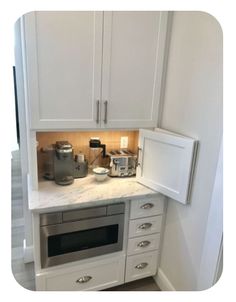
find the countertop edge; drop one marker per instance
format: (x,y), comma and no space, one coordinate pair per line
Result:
(45,200)
(94,203)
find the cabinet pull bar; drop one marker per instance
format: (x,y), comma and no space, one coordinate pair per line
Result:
(147,206)
(83,279)
(141,265)
(143,243)
(98,105)
(145,226)
(138,163)
(105,112)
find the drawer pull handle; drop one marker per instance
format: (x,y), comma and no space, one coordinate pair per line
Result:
(145,226)
(147,206)
(84,279)
(141,265)
(143,243)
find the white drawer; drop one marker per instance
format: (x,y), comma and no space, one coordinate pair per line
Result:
(141,266)
(145,226)
(143,244)
(94,278)
(146,208)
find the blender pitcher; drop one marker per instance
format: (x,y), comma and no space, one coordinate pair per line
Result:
(97,151)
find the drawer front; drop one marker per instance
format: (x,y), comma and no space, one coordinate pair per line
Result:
(94,278)
(141,266)
(145,226)
(146,208)
(143,244)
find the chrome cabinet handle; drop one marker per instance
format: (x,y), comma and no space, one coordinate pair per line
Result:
(141,265)
(105,112)
(83,279)
(143,243)
(138,157)
(147,206)
(98,111)
(145,226)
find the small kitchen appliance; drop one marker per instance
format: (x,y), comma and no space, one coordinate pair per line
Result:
(122,163)
(80,166)
(79,234)
(63,163)
(47,156)
(97,151)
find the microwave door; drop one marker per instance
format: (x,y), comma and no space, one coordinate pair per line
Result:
(78,240)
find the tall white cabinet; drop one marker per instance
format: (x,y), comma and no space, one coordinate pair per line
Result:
(94,69)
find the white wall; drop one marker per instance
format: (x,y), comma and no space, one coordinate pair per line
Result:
(193,107)
(214,237)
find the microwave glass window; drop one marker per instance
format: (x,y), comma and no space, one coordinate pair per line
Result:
(82,240)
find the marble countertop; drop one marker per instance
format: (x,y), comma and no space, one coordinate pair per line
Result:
(85,191)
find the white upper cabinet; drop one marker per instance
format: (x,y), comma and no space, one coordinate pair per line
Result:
(134,44)
(63,53)
(166,163)
(93,69)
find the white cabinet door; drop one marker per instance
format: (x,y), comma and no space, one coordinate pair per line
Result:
(133,53)
(166,162)
(63,52)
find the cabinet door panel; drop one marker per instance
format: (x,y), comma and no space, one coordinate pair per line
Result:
(132,67)
(141,266)
(65,53)
(95,275)
(166,163)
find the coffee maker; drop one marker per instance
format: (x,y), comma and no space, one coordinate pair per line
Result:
(63,163)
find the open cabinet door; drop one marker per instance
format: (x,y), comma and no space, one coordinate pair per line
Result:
(166,162)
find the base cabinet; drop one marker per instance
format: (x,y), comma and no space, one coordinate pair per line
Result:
(144,238)
(138,259)
(94,276)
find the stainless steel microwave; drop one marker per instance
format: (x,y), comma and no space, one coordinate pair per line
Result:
(78,234)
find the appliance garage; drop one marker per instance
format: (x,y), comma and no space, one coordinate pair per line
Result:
(87,226)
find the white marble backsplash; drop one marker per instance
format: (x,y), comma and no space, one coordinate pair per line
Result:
(85,191)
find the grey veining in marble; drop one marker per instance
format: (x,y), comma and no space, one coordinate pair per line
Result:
(85,191)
